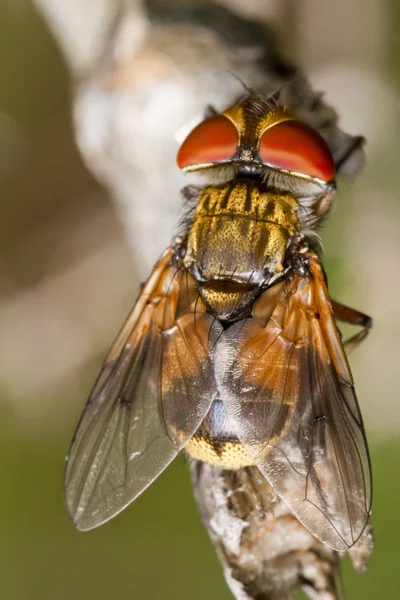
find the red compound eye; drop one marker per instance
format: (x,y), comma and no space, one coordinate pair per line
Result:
(212,140)
(297,147)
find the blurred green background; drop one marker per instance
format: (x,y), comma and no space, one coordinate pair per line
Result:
(65,279)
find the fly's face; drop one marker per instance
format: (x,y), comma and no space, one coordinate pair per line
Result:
(257,138)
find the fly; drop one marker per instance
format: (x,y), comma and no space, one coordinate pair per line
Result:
(231,352)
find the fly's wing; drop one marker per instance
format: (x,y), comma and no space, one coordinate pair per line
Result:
(153,391)
(290,395)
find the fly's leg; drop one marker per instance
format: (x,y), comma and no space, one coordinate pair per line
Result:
(352,317)
(357,144)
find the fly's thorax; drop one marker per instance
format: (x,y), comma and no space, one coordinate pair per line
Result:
(237,243)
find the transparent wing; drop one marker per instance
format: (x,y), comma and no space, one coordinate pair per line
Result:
(289,391)
(153,391)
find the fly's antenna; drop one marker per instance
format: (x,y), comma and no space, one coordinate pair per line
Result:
(246,88)
(276,95)
(274,98)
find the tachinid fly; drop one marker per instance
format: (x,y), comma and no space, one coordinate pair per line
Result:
(231,351)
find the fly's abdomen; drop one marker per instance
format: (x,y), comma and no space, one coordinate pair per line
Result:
(216,443)
(238,242)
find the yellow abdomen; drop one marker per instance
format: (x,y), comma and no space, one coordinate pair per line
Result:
(216,443)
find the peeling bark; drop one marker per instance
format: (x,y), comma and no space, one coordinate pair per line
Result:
(266,554)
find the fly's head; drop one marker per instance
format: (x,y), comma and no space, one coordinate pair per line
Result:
(258,138)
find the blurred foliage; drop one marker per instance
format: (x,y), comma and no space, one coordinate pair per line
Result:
(44,185)
(158,547)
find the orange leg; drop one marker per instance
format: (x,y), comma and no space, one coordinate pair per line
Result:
(353,317)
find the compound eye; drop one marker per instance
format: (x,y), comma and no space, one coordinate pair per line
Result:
(213,140)
(295,146)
